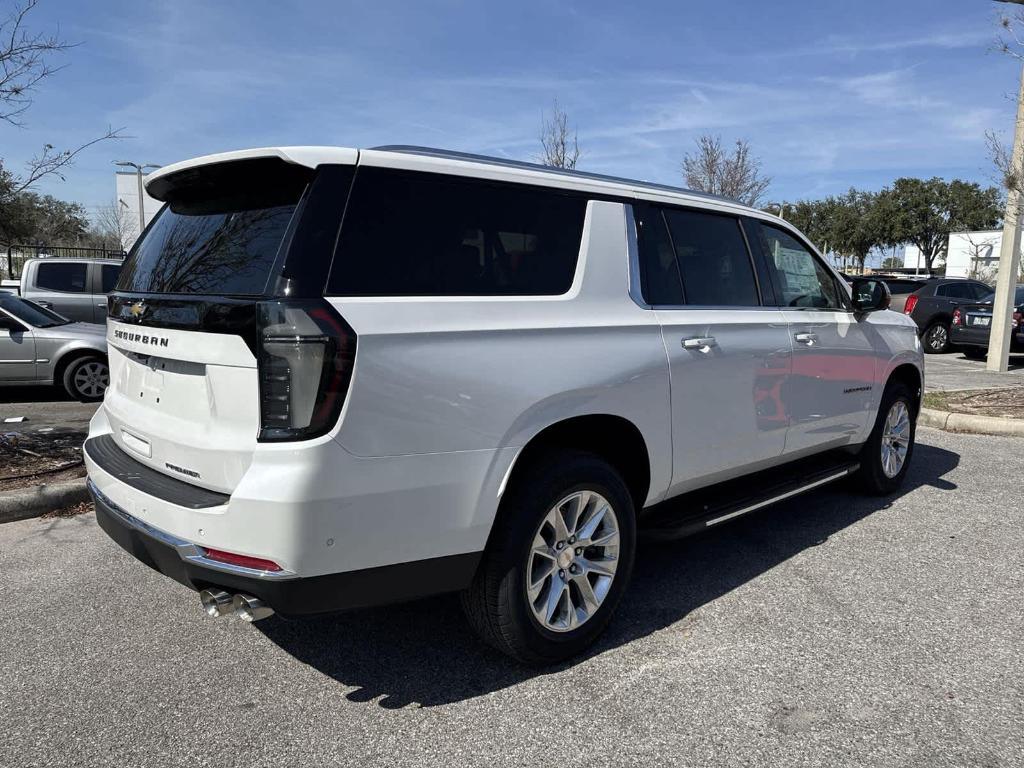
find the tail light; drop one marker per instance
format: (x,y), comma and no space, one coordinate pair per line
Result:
(306,353)
(911,303)
(1018,319)
(956,317)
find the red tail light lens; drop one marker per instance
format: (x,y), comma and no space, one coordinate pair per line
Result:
(256,563)
(1018,318)
(911,303)
(306,353)
(956,317)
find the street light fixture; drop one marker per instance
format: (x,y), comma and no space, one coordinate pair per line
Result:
(139,171)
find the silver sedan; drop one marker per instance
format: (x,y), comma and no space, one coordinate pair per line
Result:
(38,346)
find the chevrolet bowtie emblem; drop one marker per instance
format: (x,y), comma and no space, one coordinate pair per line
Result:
(137,309)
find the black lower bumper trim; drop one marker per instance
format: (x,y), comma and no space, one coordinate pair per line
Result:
(299,596)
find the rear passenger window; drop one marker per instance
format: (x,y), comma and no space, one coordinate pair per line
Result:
(409,234)
(713,259)
(66,278)
(801,279)
(659,272)
(108,277)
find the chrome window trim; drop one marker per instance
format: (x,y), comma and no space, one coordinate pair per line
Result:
(187,550)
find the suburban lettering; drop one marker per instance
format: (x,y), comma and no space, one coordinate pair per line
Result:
(140,338)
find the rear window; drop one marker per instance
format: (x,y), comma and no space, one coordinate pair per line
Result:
(219,233)
(65,278)
(417,234)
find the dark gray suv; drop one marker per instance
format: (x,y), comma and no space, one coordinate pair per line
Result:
(931,307)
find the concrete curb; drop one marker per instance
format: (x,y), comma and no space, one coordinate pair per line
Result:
(32,502)
(967,422)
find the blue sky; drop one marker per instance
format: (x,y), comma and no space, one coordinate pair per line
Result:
(829,94)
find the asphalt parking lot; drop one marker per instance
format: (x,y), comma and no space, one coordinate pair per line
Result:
(832,629)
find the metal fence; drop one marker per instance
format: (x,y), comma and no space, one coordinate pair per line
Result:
(18,254)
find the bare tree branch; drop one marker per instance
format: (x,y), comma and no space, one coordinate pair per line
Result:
(738,176)
(24,62)
(560,149)
(51,161)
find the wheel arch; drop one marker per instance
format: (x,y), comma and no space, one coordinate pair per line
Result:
(68,356)
(910,375)
(615,439)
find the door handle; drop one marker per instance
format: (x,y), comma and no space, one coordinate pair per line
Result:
(806,338)
(103,305)
(702,343)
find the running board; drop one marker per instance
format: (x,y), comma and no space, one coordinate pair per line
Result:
(699,510)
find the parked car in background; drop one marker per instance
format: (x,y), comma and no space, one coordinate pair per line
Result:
(971,325)
(75,288)
(39,346)
(931,307)
(348,377)
(901,288)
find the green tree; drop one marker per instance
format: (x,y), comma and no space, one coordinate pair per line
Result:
(924,211)
(892,262)
(856,224)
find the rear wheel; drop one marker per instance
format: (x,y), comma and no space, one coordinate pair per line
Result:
(559,560)
(87,378)
(975,353)
(936,338)
(886,455)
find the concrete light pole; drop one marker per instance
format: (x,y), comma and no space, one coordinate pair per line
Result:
(1009,253)
(139,169)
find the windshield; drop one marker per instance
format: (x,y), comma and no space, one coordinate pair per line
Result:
(31,313)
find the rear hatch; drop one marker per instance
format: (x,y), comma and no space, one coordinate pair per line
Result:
(978,315)
(196,376)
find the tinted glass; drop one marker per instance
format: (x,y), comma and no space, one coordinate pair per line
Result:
(801,279)
(220,252)
(108,277)
(409,234)
(979,290)
(30,312)
(713,259)
(67,278)
(903,286)
(956,291)
(659,272)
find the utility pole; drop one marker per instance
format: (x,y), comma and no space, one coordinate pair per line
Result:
(139,172)
(1009,253)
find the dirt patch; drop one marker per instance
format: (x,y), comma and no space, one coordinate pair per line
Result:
(75,509)
(31,458)
(1005,403)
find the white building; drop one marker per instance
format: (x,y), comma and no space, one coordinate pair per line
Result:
(968,254)
(127,201)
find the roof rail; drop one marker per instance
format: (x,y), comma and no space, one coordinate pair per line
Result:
(469,157)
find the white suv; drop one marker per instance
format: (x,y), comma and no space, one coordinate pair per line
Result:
(341,378)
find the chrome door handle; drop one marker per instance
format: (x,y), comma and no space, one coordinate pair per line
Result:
(703,343)
(806,338)
(104,305)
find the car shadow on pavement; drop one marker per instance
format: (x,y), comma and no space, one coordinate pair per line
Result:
(424,653)
(35,394)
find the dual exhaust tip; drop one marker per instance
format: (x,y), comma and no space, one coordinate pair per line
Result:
(217,602)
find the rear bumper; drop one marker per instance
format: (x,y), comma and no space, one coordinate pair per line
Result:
(286,593)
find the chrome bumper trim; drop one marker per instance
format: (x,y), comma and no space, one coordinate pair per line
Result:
(187,550)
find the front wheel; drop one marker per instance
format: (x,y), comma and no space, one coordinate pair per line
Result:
(559,560)
(936,338)
(886,455)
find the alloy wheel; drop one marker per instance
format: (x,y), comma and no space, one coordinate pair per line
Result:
(938,337)
(91,379)
(895,439)
(572,561)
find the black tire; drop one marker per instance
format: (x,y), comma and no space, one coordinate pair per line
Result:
(935,338)
(496,604)
(873,477)
(975,353)
(86,378)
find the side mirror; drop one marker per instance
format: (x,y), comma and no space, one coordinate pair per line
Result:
(870,295)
